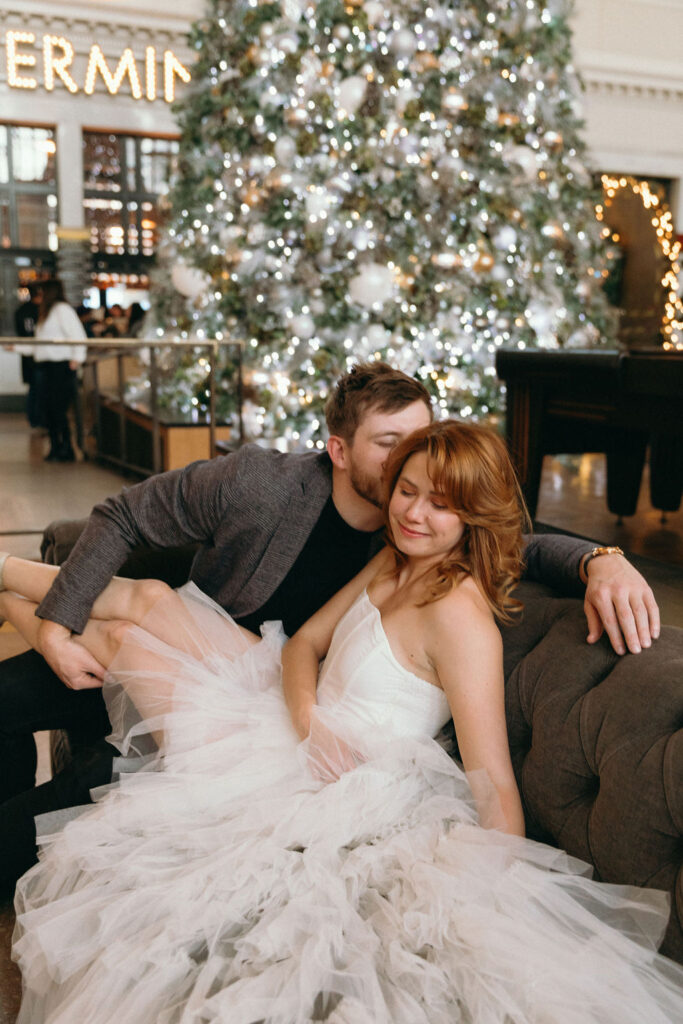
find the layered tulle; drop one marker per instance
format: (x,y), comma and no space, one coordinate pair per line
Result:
(226,881)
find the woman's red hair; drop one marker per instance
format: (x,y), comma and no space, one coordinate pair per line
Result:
(469,464)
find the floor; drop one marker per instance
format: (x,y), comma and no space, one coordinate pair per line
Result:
(33,493)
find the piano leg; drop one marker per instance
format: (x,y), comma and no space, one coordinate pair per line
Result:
(525,406)
(666,472)
(625,461)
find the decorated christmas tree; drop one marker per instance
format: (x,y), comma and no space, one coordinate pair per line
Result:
(389,178)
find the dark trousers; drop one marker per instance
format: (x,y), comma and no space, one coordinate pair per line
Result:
(33,698)
(28,375)
(55,384)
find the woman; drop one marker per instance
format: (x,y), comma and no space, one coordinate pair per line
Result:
(55,366)
(244,875)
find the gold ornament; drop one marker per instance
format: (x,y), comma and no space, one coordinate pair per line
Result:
(233,255)
(553,140)
(425,61)
(251,195)
(484,262)
(277,178)
(447,260)
(508,120)
(552,230)
(453,100)
(404,280)
(296,115)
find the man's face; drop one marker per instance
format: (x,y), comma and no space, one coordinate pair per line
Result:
(377,433)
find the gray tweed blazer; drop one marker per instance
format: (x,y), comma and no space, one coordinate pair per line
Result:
(252,512)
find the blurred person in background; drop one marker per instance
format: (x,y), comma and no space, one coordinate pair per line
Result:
(136,320)
(85,315)
(25,318)
(55,365)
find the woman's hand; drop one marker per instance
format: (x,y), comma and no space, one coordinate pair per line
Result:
(327,754)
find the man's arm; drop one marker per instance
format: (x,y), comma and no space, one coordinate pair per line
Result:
(619,602)
(617,599)
(174,508)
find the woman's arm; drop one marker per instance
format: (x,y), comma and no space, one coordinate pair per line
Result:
(302,654)
(467,651)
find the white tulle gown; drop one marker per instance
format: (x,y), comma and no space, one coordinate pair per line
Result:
(223,882)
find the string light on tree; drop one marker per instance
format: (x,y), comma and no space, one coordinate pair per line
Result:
(365,180)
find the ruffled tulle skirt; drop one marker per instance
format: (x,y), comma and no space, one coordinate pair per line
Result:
(224,882)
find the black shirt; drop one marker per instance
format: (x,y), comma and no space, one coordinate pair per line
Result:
(333,554)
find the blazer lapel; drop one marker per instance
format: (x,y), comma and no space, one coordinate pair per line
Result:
(303,511)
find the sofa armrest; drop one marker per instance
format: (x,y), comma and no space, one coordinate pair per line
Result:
(597,746)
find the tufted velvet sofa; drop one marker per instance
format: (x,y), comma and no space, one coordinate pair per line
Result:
(597,746)
(596,740)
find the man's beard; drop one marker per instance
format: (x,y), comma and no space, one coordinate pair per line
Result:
(366,486)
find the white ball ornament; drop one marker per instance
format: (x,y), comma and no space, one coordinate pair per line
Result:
(404,42)
(373,284)
(303,326)
(285,150)
(374,11)
(406,93)
(541,319)
(506,238)
(525,158)
(189,281)
(292,10)
(317,201)
(361,238)
(453,101)
(350,94)
(378,336)
(287,42)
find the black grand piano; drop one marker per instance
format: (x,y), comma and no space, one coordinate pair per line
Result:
(619,403)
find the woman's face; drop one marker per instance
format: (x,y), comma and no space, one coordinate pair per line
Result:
(422,524)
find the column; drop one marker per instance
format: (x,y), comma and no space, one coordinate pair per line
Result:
(73,254)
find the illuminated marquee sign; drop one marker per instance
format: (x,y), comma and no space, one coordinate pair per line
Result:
(57,60)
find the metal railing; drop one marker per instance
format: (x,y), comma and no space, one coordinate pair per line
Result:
(118,348)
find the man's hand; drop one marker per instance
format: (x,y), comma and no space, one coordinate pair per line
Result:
(620,602)
(74,665)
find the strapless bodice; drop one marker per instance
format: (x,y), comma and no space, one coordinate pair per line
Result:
(362,675)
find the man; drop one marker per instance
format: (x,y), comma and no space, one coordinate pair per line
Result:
(278,535)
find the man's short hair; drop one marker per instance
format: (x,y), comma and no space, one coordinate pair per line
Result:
(376,386)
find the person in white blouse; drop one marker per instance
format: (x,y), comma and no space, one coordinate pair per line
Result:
(56,365)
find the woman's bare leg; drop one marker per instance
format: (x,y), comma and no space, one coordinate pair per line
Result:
(145,675)
(34,579)
(122,599)
(104,640)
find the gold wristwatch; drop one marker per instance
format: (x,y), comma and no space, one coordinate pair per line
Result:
(596,552)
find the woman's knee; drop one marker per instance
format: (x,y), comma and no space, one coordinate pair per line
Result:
(104,639)
(146,594)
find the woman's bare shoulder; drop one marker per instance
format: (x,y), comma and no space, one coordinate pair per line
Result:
(461,614)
